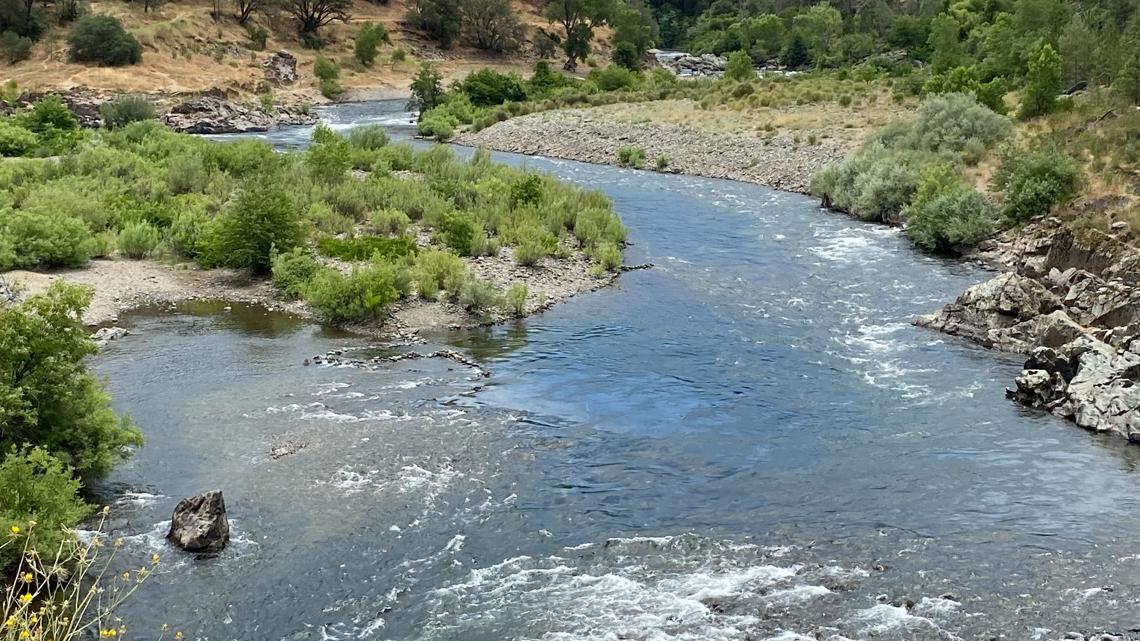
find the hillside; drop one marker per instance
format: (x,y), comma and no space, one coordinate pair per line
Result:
(186,51)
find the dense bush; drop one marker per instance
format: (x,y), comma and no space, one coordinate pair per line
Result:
(488,87)
(873,184)
(360,296)
(366,247)
(1033,182)
(1043,82)
(367,39)
(739,67)
(437,272)
(261,220)
(952,220)
(515,299)
(124,110)
(42,240)
(48,398)
(292,272)
(614,78)
(14,47)
(631,157)
(37,487)
(15,140)
(102,40)
(478,295)
(436,125)
(390,221)
(370,137)
(328,75)
(138,239)
(947,123)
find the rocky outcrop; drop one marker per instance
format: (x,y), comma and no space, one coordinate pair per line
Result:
(280,68)
(688,65)
(84,103)
(214,114)
(1087,381)
(1072,303)
(1009,313)
(199,523)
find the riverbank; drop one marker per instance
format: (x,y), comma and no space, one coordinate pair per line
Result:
(122,285)
(777,148)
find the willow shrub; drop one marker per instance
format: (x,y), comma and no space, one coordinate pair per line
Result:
(293,271)
(261,220)
(48,398)
(31,240)
(36,487)
(138,239)
(437,271)
(1032,182)
(360,296)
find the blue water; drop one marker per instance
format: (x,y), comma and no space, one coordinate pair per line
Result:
(747,441)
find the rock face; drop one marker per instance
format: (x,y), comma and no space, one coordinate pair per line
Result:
(199,523)
(280,68)
(688,65)
(209,114)
(1086,381)
(1003,313)
(1071,303)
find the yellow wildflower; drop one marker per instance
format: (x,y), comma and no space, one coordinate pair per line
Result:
(24,634)
(25,598)
(155,558)
(28,577)
(177,636)
(15,530)
(126,576)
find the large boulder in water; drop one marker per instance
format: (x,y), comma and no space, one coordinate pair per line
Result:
(1002,313)
(199,523)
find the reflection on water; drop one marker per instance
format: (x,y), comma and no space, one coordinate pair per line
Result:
(749,441)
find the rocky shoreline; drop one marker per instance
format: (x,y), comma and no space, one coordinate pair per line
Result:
(1069,300)
(785,160)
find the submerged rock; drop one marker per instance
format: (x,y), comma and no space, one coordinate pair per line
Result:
(107,334)
(199,523)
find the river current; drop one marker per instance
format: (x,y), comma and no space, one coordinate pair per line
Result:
(748,441)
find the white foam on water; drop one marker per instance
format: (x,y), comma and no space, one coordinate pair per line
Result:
(797,594)
(138,498)
(883,618)
(329,388)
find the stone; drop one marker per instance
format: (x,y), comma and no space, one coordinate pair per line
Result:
(280,68)
(199,523)
(211,114)
(999,313)
(105,335)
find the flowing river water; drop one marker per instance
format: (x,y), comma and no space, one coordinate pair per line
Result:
(749,441)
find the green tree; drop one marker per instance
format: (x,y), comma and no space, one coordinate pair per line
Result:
(261,221)
(796,54)
(492,25)
(367,40)
(946,50)
(48,398)
(634,32)
(1128,79)
(36,486)
(578,19)
(1077,42)
(1043,82)
(311,15)
(427,88)
(441,19)
(103,40)
(819,26)
(765,36)
(739,67)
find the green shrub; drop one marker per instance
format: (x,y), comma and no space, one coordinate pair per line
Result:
(292,272)
(325,69)
(50,399)
(945,123)
(396,157)
(608,256)
(44,240)
(331,89)
(48,114)
(488,87)
(366,247)
(874,184)
(515,299)
(399,55)
(15,140)
(138,239)
(614,78)
(370,137)
(14,47)
(326,220)
(126,109)
(957,218)
(631,157)
(438,271)
(261,220)
(367,39)
(360,296)
(662,162)
(1043,82)
(739,67)
(258,36)
(459,232)
(478,295)
(1033,182)
(187,230)
(527,191)
(37,487)
(102,40)
(436,125)
(390,221)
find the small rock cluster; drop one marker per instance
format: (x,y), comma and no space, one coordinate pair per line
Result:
(688,65)
(1072,304)
(212,113)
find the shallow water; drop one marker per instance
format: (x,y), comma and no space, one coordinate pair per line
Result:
(749,441)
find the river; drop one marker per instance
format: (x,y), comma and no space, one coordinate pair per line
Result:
(748,441)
